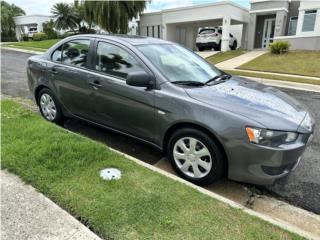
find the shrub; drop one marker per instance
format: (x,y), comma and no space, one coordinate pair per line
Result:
(24,37)
(40,36)
(279,47)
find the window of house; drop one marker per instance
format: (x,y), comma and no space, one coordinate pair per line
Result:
(75,52)
(115,61)
(147,31)
(309,20)
(159,36)
(292,26)
(152,31)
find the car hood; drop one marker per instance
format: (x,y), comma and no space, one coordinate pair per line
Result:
(264,104)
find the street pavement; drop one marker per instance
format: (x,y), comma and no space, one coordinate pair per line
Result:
(301,187)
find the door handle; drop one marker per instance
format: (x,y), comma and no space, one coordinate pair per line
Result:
(95,84)
(53,70)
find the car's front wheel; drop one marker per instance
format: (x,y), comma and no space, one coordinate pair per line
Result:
(195,156)
(49,106)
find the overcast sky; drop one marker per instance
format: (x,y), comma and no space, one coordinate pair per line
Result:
(44,6)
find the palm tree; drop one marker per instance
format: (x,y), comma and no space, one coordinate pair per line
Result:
(112,16)
(66,16)
(8,12)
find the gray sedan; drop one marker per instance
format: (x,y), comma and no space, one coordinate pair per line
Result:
(208,122)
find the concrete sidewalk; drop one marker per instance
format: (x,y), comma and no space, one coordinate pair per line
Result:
(233,63)
(27,214)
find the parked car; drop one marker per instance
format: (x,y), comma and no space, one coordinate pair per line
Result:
(210,38)
(32,31)
(208,122)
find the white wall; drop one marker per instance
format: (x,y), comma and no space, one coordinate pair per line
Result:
(304,6)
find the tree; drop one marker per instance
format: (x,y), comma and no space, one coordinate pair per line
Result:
(8,12)
(65,15)
(48,28)
(112,16)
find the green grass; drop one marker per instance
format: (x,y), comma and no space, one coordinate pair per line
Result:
(274,77)
(295,62)
(32,45)
(224,56)
(142,205)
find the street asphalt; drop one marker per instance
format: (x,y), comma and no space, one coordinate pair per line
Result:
(301,187)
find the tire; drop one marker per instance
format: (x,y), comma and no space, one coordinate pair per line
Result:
(207,157)
(234,45)
(49,106)
(200,49)
(219,47)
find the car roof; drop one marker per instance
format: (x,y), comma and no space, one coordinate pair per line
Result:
(129,39)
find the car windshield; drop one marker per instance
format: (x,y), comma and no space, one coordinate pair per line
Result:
(178,64)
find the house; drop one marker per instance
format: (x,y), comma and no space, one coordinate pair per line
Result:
(297,22)
(182,24)
(27,22)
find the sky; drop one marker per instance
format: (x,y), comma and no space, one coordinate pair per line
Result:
(44,6)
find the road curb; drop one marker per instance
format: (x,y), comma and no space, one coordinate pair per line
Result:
(75,227)
(286,84)
(21,50)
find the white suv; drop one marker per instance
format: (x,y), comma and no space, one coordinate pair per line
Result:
(210,38)
(32,31)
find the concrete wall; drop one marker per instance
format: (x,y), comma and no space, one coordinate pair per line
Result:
(263,5)
(301,43)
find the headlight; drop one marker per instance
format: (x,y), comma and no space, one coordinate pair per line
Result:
(270,138)
(307,122)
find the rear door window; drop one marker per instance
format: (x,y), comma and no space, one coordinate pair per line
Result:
(75,52)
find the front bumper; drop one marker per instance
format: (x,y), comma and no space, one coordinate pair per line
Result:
(263,165)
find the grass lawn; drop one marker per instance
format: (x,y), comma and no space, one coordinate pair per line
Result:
(142,205)
(223,56)
(34,45)
(295,62)
(273,77)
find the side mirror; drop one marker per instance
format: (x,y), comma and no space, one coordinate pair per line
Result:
(140,79)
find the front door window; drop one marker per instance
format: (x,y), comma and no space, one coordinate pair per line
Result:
(268,32)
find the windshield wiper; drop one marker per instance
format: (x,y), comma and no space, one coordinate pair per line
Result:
(222,76)
(189,83)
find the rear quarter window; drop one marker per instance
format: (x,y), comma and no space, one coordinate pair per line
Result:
(207,31)
(56,55)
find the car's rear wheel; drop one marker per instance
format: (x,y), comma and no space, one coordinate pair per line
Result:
(234,45)
(195,156)
(200,49)
(49,106)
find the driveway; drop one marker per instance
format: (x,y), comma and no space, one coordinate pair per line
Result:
(302,187)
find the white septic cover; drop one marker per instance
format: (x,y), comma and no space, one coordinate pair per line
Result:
(110,174)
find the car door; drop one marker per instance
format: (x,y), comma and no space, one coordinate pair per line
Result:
(126,108)
(69,75)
